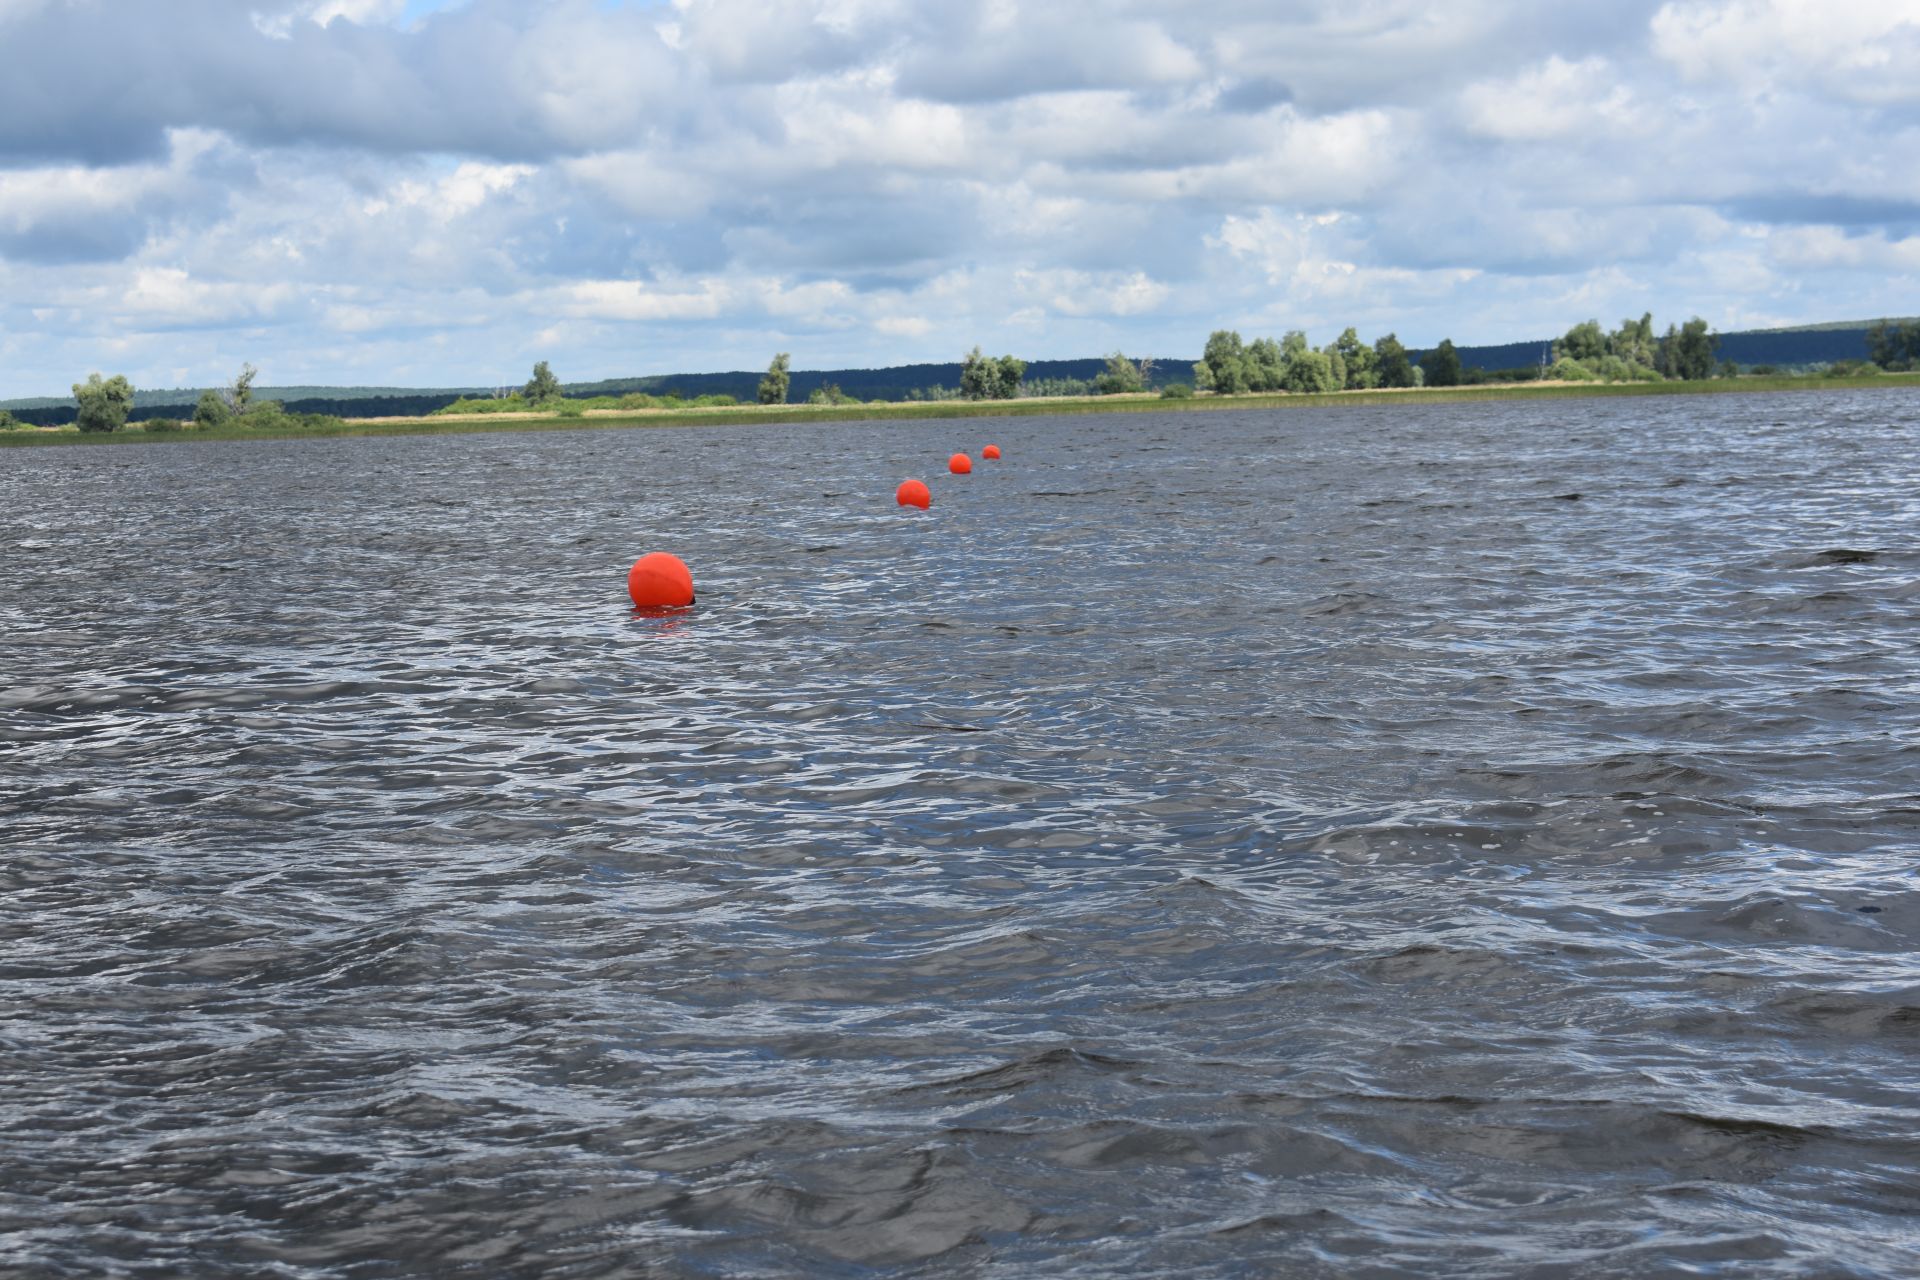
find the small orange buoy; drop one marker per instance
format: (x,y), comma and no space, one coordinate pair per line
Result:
(660,581)
(960,464)
(913,493)
(991,451)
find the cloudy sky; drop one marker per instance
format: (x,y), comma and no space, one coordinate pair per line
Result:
(440,192)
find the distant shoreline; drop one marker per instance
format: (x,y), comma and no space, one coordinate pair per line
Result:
(916,410)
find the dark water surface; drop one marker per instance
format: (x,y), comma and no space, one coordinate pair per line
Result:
(1213,844)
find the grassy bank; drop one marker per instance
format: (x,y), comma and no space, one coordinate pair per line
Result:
(909,411)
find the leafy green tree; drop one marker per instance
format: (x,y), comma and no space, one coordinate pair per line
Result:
(1585,341)
(1442,365)
(1634,342)
(774,385)
(979,378)
(1664,354)
(104,405)
(1390,362)
(1692,349)
(542,388)
(239,393)
(986,378)
(1359,360)
(8,422)
(212,411)
(1895,346)
(1310,372)
(1121,377)
(1336,362)
(1011,372)
(1886,346)
(1300,367)
(1264,365)
(1223,363)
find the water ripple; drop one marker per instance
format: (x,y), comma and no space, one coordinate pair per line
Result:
(1473,840)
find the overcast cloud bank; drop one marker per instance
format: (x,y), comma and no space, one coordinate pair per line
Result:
(372,191)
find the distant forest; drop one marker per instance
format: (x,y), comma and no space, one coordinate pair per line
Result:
(1785,349)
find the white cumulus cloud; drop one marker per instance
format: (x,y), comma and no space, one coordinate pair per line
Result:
(342,194)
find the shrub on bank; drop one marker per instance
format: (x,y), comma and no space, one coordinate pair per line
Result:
(574,407)
(1046,388)
(1470,377)
(513,403)
(1176,391)
(271,415)
(212,411)
(162,425)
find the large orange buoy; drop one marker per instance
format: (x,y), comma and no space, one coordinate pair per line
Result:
(660,581)
(960,464)
(991,451)
(913,493)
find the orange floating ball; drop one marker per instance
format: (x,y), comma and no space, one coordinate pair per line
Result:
(960,464)
(660,581)
(991,451)
(913,493)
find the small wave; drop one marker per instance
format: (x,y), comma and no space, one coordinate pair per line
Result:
(1045,1067)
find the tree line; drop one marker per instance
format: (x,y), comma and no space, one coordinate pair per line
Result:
(104,404)
(1632,352)
(1232,366)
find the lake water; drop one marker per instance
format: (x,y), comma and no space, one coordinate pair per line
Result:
(1391,841)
